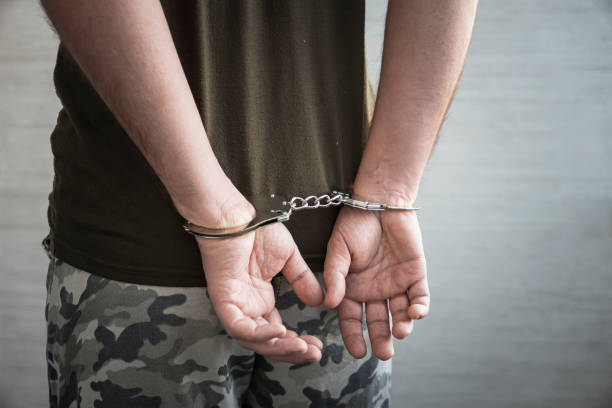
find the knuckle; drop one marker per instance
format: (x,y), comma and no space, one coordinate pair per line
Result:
(384,356)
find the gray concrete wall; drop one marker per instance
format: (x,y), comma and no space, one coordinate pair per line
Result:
(517,212)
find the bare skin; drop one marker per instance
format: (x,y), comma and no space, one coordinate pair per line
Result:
(126,46)
(387,263)
(241,270)
(377,259)
(126,51)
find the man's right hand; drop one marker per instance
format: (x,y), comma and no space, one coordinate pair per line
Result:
(239,272)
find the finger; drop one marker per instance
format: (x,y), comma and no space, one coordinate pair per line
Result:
(240,326)
(277,346)
(312,341)
(402,323)
(286,351)
(275,317)
(377,318)
(403,329)
(350,320)
(302,280)
(335,269)
(313,354)
(289,349)
(418,294)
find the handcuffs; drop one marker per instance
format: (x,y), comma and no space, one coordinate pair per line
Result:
(273,208)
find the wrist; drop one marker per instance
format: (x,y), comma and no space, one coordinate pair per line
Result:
(227,207)
(385,190)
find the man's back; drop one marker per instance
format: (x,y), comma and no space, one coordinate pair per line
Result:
(282,90)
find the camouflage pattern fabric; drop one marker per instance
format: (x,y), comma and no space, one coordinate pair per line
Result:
(116,344)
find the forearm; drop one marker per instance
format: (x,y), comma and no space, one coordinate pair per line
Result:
(126,50)
(425,46)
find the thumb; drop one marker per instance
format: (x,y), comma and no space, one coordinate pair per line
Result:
(337,263)
(301,278)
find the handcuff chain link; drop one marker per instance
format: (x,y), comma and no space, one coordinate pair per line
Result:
(312,201)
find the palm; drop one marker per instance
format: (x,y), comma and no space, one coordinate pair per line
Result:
(386,262)
(387,255)
(239,274)
(254,296)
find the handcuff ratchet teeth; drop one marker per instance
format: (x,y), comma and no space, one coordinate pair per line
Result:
(272,208)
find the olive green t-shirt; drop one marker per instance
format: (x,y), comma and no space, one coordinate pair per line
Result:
(282,89)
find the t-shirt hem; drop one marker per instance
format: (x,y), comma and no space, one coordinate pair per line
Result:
(146,275)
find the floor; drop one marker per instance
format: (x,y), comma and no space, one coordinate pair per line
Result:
(517,212)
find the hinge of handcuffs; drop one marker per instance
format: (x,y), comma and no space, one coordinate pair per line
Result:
(272,208)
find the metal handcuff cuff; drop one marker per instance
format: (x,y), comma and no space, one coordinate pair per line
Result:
(272,208)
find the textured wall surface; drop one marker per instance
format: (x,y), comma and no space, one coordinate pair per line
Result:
(517,212)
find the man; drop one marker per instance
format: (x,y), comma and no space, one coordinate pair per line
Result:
(178,111)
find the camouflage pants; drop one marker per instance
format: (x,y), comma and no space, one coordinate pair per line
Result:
(115,344)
